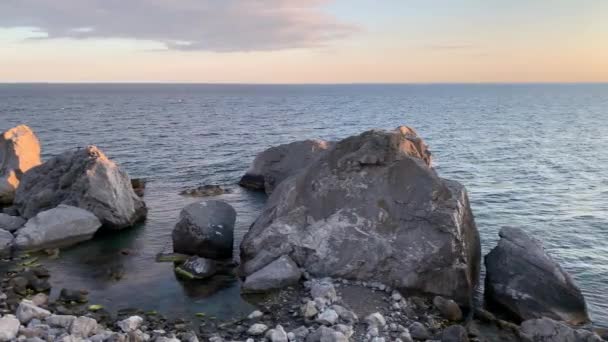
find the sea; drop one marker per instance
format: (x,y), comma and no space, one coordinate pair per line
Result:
(533,156)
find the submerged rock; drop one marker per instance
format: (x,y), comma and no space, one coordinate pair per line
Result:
(56,228)
(372,208)
(205,229)
(83,178)
(139,186)
(197,268)
(279,273)
(204,190)
(19,152)
(523,280)
(11,223)
(276,164)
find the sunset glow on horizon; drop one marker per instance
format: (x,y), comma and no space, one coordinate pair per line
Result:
(304,41)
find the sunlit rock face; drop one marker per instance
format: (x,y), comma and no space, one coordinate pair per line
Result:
(83,178)
(278,163)
(19,152)
(372,208)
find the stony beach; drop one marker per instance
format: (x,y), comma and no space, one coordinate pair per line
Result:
(360,240)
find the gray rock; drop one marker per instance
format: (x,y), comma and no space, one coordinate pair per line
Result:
(130,324)
(83,327)
(419,332)
(372,208)
(327,317)
(19,152)
(197,268)
(257,329)
(276,164)
(62,321)
(40,299)
(300,333)
(548,330)
(323,289)
(448,308)
(405,336)
(278,274)
(455,333)
(523,280)
(346,315)
(9,327)
(26,311)
(255,315)
(83,178)
(6,242)
(205,229)
(58,227)
(375,320)
(309,310)
(346,330)
(277,334)
(325,334)
(11,223)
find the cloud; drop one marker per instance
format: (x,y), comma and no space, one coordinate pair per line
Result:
(208,25)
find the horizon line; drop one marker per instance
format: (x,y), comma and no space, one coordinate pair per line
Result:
(298,84)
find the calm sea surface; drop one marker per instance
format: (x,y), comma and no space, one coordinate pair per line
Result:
(533,156)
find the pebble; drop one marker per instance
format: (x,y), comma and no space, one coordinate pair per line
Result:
(328,317)
(255,315)
(309,310)
(257,329)
(277,334)
(130,324)
(376,320)
(418,331)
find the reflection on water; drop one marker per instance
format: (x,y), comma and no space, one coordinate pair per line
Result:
(533,156)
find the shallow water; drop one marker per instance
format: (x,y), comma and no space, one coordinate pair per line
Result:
(533,156)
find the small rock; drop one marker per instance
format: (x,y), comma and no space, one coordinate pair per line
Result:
(455,333)
(323,289)
(405,336)
(40,299)
(28,311)
(375,320)
(9,327)
(325,334)
(346,330)
(130,324)
(328,317)
(448,308)
(255,315)
(309,310)
(419,332)
(396,296)
(62,321)
(257,329)
(83,327)
(378,339)
(203,191)
(277,334)
(346,315)
(300,333)
(197,268)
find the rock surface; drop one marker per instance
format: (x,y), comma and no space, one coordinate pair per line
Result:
(279,273)
(6,242)
(9,327)
(372,208)
(276,164)
(197,268)
(11,223)
(204,191)
(56,228)
(523,280)
(548,330)
(19,152)
(83,178)
(205,229)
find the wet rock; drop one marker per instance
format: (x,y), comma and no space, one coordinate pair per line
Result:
(83,327)
(546,329)
(278,274)
(204,191)
(83,178)
(197,268)
(448,308)
(139,186)
(205,229)
(11,223)
(130,324)
(28,311)
(419,332)
(9,327)
(172,257)
(6,242)
(257,329)
(58,227)
(372,208)
(328,317)
(19,152)
(68,295)
(455,333)
(523,280)
(275,164)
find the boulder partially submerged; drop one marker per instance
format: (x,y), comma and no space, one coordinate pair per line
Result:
(62,226)
(276,164)
(524,281)
(19,152)
(205,229)
(372,208)
(83,178)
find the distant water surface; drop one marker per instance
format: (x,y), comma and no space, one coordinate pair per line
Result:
(533,156)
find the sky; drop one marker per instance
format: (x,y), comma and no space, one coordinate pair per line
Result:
(304,41)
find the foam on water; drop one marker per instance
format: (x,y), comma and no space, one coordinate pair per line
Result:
(533,156)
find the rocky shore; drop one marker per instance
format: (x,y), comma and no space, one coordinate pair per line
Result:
(360,240)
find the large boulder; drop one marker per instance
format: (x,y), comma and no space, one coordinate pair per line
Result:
(372,208)
(19,152)
(278,274)
(524,281)
(277,163)
(58,227)
(6,242)
(11,223)
(205,229)
(83,178)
